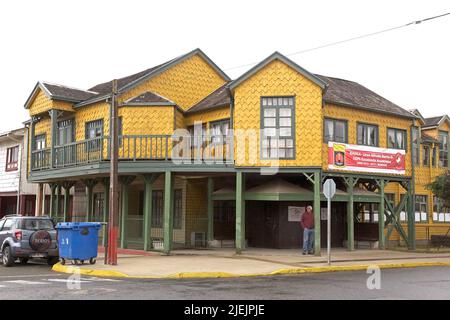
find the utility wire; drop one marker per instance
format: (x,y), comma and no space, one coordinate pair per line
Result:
(349,39)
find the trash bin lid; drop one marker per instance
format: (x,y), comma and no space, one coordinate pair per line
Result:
(77,225)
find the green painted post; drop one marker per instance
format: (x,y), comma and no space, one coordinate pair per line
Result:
(411,217)
(58,202)
(66,202)
(52,199)
(210,210)
(44,199)
(317,183)
(350,217)
(381,237)
(168,212)
(124,215)
(53,128)
(240,212)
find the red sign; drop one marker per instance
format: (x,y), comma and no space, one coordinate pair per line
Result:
(365,159)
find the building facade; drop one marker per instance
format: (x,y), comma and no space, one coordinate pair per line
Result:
(17,195)
(206,160)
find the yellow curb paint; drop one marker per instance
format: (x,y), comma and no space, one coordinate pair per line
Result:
(192,275)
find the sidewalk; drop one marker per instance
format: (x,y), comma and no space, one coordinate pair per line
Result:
(216,263)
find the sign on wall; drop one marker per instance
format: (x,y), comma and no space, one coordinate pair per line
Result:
(295,213)
(350,157)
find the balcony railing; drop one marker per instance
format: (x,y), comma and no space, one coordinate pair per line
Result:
(179,149)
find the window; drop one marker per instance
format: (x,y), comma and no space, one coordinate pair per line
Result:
(443,149)
(8,225)
(335,130)
(440,212)
(277,124)
(65,132)
(219,130)
(369,213)
(403,214)
(426,156)
(367,134)
(198,135)
(12,158)
(157,209)
(99,203)
(390,198)
(433,157)
(421,210)
(178,209)
(94,129)
(39,142)
(396,139)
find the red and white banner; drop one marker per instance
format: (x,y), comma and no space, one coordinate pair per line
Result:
(349,157)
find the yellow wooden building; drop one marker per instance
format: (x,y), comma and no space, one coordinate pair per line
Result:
(209,161)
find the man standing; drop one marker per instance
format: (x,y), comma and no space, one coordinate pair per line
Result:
(307,223)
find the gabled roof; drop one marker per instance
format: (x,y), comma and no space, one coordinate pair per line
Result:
(126,83)
(428,139)
(218,98)
(60,92)
(148,99)
(435,121)
(277,56)
(352,94)
(418,114)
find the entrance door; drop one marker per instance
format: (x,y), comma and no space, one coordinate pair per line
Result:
(338,225)
(270,225)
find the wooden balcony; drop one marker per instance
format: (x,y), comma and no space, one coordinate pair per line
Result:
(138,148)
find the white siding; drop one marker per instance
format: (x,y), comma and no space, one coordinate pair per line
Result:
(9,181)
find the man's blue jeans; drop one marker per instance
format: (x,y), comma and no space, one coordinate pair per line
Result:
(308,240)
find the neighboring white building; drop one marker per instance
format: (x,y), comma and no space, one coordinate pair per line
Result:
(16,194)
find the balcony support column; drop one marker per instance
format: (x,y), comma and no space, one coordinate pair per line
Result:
(240,212)
(90,184)
(210,210)
(52,199)
(105,183)
(168,211)
(125,182)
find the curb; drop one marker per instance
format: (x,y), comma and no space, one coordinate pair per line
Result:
(198,275)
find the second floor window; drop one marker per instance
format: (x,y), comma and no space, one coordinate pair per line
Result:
(277,124)
(335,130)
(433,157)
(443,149)
(396,138)
(12,158)
(65,133)
(39,142)
(426,156)
(367,135)
(219,130)
(94,129)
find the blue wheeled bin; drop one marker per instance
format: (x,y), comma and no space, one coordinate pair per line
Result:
(78,241)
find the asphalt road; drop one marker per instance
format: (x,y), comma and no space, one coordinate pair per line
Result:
(37,281)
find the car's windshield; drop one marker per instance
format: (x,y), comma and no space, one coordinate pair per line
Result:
(37,224)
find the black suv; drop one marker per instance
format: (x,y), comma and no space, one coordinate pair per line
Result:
(26,238)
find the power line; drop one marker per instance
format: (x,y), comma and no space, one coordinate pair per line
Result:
(349,39)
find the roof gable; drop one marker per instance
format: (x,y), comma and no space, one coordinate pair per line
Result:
(149,98)
(435,122)
(126,83)
(277,56)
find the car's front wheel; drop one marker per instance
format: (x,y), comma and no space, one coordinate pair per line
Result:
(7,257)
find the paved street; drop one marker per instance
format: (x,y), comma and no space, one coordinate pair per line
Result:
(37,281)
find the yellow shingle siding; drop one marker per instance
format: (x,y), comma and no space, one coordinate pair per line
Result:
(147,120)
(185,83)
(278,79)
(354,116)
(208,116)
(42,103)
(90,113)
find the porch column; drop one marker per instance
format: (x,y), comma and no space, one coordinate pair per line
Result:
(317,183)
(38,209)
(149,179)
(125,182)
(53,125)
(240,212)
(58,201)
(89,201)
(168,212)
(210,210)
(43,200)
(52,199)
(350,216)
(411,216)
(381,237)
(105,183)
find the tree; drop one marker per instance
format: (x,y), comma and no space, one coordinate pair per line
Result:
(441,188)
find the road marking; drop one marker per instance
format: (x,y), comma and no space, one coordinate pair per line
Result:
(25,282)
(66,280)
(33,275)
(101,279)
(2,286)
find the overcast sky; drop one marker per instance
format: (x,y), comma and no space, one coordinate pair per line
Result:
(82,43)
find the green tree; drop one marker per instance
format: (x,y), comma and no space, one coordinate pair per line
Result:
(441,188)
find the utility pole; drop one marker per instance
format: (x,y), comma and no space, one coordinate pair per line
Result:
(113,226)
